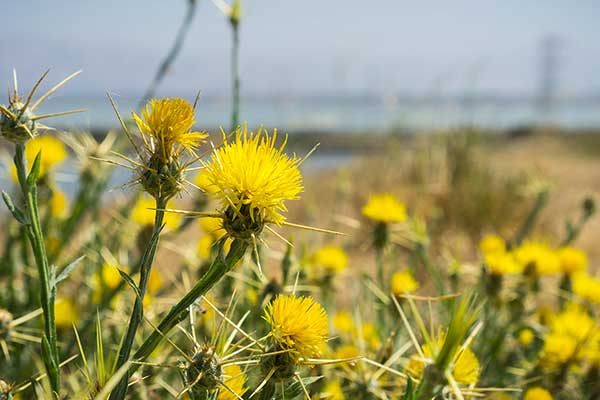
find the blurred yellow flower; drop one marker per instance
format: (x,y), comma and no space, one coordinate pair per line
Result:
(169,122)
(66,314)
(526,337)
(491,244)
(204,246)
(298,324)
(343,322)
(572,260)
(586,286)
(58,203)
(537,393)
(212,226)
(333,391)
(369,333)
(346,351)
(251,172)
(331,258)
(144,210)
(542,258)
(108,280)
(403,282)
(235,380)
(53,151)
(384,208)
(501,263)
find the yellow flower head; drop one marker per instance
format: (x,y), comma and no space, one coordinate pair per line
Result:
(558,349)
(384,208)
(501,263)
(253,178)
(492,244)
(526,337)
(343,322)
(144,210)
(539,256)
(169,122)
(298,324)
(331,258)
(66,313)
(586,287)
(53,151)
(235,380)
(346,351)
(58,203)
(403,282)
(333,390)
(537,393)
(572,260)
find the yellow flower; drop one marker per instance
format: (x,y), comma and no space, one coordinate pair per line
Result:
(254,178)
(537,393)
(526,337)
(235,380)
(343,322)
(543,259)
(465,369)
(58,203)
(66,313)
(333,391)
(109,279)
(369,335)
(202,180)
(572,260)
(144,210)
(204,246)
(169,122)
(212,226)
(53,151)
(346,351)
(586,286)
(384,208)
(500,263)
(331,258)
(298,324)
(558,349)
(403,282)
(492,244)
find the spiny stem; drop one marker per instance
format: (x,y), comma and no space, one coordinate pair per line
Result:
(137,313)
(48,291)
(219,267)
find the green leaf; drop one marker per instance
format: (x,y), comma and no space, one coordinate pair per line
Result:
(18,214)
(131,283)
(35,170)
(64,274)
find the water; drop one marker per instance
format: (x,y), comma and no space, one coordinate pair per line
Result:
(346,114)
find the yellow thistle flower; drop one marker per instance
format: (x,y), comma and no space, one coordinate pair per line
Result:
(169,122)
(465,369)
(492,244)
(298,324)
(586,287)
(572,260)
(66,313)
(346,351)
(501,263)
(526,337)
(144,210)
(204,246)
(235,380)
(331,258)
(58,204)
(537,393)
(53,151)
(202,180)
(254,179)
(212,226)
(543,259)
(403,282)
(343,322)
(384,208)
(558,349)
(108,279)
(333,391)
(369,335)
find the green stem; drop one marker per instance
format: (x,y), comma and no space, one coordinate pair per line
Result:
(48,290)
(220,266)
(137,314)
(235,72)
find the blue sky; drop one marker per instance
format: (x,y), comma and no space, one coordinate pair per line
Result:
(304,47)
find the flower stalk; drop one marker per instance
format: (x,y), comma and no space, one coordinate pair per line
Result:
(218,269)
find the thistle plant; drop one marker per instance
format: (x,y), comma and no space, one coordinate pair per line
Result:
(18,124)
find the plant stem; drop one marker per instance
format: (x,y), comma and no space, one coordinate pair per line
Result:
(48,290)
(218,269)
(137,313)
(235,72)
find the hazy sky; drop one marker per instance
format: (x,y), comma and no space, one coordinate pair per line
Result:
(304,46)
